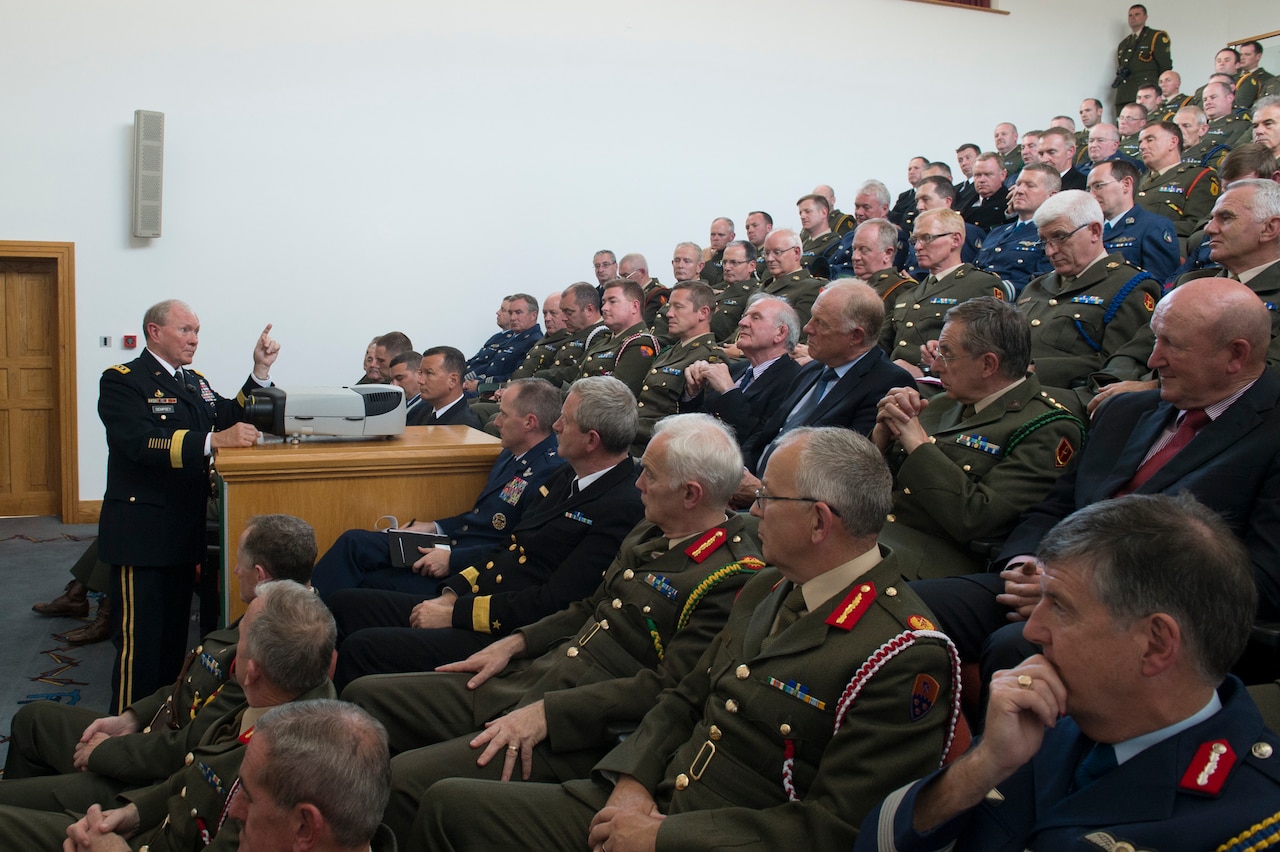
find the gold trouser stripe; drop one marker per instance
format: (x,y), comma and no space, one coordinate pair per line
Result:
(128,612)
(175,448)
(480,614)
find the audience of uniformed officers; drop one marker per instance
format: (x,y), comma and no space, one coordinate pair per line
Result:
(765,549)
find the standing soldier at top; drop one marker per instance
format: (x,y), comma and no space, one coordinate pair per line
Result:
(1141,58)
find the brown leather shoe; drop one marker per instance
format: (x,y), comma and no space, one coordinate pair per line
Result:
(72,602)
(98,630)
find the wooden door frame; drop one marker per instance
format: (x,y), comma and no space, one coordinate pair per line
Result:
(63,256)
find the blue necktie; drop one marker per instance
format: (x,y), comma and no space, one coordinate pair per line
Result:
(1100,760)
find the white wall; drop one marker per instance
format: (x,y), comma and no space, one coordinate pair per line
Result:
(342,169)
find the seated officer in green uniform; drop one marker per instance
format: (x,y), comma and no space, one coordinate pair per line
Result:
(782,254)
(1198,148)
(546,703)
(1181,192)
(580,310)
(689,320)
(737,288)
(966,464)
(627,354)
(286,649)
(916,315)
(828,687)
(819,239)
(1227,125)
(1091,306)
(1130,122)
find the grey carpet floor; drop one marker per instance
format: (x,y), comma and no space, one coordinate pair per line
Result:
(36,555)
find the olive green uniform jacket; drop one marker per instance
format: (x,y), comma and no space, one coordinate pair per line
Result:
(975,477)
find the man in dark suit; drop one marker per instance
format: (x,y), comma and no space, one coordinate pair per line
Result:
(847,377)
(162,423)
(990,208)
(966,194)
(557,552)
(1058,149)
(404,375)
(362,558)
(440,386)
(1210,352)
(744,394)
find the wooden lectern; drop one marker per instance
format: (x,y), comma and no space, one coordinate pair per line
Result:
(428,472)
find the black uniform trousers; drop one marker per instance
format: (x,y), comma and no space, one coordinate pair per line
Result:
(150,623)
(368,646)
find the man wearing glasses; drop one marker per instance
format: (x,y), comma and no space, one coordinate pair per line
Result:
(782,250)
(968,463)
(739,285)
(1146,240)
(916,317)
(1091,305)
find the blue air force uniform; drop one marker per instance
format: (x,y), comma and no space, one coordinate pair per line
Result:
(1014,253)
(1147,240)
(362,558)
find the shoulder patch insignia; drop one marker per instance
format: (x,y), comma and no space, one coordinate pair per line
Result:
(707,544)
(1149,302)
(121,369)
(1062,455)
(924,694)
(1209,768)
(850,610)
(646,351)
(1213,185)
(919,622)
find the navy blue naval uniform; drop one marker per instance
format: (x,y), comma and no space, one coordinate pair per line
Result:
(1147,240)
(1014,253)
(1215,785)
(362,559)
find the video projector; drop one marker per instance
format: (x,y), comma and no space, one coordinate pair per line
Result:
(361,411)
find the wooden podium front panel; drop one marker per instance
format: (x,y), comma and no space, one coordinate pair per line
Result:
(428,472)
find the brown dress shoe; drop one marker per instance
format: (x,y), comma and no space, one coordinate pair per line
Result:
(72,602)
(98,630)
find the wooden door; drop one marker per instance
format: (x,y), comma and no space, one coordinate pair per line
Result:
(29,463)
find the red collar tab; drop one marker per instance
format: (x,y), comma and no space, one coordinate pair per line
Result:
(849,610)
(1209,768)
(707,544)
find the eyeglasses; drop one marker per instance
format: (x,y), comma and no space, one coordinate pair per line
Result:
(1058,239)
(764,499)
(927,239)
(947,359)
(1094,187)
(779,252)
